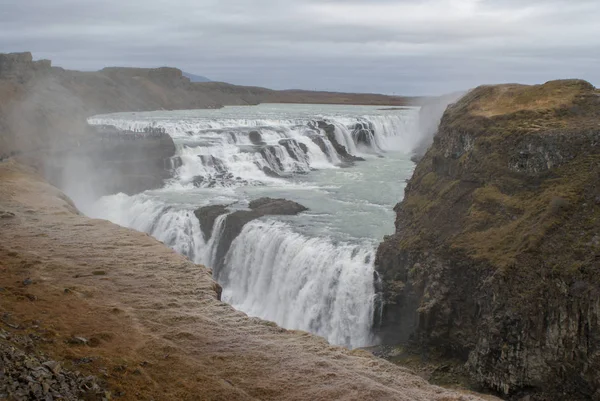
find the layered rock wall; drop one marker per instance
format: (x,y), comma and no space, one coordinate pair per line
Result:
(496,255)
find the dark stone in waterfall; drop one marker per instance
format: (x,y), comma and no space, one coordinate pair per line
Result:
(269,153)
(289,145)
(320,142)
(270,173)
(207,216)
(279,206)
(198,181)
(126,161)
(345,157)
(256,138)
(235,222)
(364,133)
(214,162)
(173,163)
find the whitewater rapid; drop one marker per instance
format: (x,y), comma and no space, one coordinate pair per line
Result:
(311,272)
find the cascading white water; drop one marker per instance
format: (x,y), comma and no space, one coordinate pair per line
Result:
(302,283)
(300,273)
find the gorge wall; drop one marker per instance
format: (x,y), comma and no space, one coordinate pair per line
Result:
(496,255)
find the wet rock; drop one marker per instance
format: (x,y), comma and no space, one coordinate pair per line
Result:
(214,162)
(235,222)
(269,172)
(340,149)
(270,206)
(295,149)
(207,216)
(364,133)
(269,153)
(256,138)
(320,142)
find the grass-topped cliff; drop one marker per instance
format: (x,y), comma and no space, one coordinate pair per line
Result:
(496,256)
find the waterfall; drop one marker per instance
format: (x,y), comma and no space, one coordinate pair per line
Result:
(272,270)
(302,283)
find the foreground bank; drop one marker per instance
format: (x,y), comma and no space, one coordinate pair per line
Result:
(120,305)
(496,256)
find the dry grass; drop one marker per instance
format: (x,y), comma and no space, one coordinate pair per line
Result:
(510,98)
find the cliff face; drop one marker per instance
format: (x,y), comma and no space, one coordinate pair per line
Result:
(43,116)
(496,255)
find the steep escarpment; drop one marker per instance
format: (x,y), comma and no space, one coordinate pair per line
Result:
(496,255)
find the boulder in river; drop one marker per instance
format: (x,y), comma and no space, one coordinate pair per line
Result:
(207,216)
(256,138)
(340,149)
(235,222)
(270,206)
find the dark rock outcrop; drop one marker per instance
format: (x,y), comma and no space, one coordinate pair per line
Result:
(496,255)
(113,161)
(207,216)
(295,149)
(270,206)
(235,222)
(340,149)
(21,67)
(256,138)
(364,133)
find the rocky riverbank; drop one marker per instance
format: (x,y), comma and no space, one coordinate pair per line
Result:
(496,254)
(122,307)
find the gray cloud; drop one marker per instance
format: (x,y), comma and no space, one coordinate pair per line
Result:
(391,46)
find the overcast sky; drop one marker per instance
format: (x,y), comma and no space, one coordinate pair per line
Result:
(390,46)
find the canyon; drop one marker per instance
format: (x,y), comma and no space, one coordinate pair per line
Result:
(493,265)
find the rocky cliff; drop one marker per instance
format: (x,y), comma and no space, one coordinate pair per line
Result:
(496,254)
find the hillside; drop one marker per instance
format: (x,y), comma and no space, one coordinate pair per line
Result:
(496,255)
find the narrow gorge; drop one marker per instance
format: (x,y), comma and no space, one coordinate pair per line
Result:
(257,251)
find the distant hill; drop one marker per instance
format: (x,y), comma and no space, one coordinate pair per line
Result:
(196,78)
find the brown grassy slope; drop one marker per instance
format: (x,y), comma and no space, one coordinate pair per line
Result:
(485,141)
(154,325)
